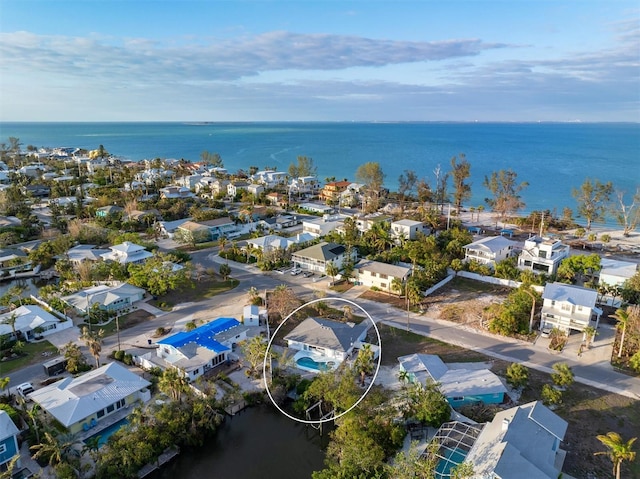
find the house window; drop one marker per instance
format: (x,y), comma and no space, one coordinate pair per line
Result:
(110,408)
(100,413)
(383,285)
(566,307)
(457,398)
(3,448)
(196,371)
(383,276)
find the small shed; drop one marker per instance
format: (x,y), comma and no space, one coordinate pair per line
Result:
(251,315)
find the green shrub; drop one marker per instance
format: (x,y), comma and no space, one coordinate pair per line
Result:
(128,359)
(118,355)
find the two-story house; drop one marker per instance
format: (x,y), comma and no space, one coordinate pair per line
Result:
(408,229)
(331,191)
(234,188)
(8,441)
(126,253)
(317,257)
(381,275)
(542,255)
(489,250)
(569,307)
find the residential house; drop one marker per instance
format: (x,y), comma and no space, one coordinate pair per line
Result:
(109,298)
(233,189)
(8,441)
(366,222)
(169,228)
(408,229)
(195,352)
(31,321)
(374,274)
(218,227)
(143,216)
(270,242)
(278,222)
(303,185)
(317,257)
(318,208)
(111,210)
(520,443)
(615,273)
(80,403)
(127,253)
(14,259)
(462,384)
(193,232)
(331,191)
(219,186)
(542,255)
(569,307)
(255,189)
(277,199)
(490,250)
(36,191)
(323,340)
(96,164)
(189,181)
(176,192)
(319,227)
(83,252)
(352,196)
(270,179)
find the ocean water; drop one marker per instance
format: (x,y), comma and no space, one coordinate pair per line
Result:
(552,157)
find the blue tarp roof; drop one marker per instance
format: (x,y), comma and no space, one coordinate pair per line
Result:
(204,335)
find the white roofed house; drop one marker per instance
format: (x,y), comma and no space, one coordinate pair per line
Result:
(408,229)
(542,255)
(108,298)
(569,307)
(520,443)
(380,275)
(80,403)
(127,252)
(176,192)
(612,275)
(31,321)
(234,188)
(490,250)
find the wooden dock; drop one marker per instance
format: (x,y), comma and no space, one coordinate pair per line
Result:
(164,458)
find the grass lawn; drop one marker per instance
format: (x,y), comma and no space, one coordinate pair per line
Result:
(205,289)
(33,355)
(126,321)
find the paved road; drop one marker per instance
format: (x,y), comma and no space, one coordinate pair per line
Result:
(593,370)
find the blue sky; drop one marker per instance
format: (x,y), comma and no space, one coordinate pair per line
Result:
(330,60)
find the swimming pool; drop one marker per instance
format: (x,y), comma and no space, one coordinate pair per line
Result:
(309,364)
(450,459)
(107,432)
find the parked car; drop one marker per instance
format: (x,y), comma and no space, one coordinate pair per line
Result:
(308,274)
(24,389)
(296,271)
(546,332)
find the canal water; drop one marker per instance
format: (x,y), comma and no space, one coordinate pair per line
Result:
(257,443)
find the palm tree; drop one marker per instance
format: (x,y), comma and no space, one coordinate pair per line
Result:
(397,285)
(622,316)
(617,450)
(364,362)
(93,340)
(403,377)
(16,292)
(222,243)
(348,312)
(11,321)
(332,270)
(173,384)
(56,448)
(589,333)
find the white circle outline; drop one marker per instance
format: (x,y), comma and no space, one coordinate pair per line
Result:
(264,362)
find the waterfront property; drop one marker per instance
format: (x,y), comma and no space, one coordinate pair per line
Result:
(569,307)
(109,298)
(455,439)
(523,441)
(489,250)
(542,255)
(8,440)
(317,257)
(32,321)
(80,403)
(380,275)
(324,340)
(195,352)
(461,384)
(405,229)
(614,273)
(83,252)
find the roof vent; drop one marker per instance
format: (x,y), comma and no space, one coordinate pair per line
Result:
(505,424)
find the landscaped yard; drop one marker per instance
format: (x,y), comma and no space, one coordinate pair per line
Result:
(126,321)
(588,410)
(34,353)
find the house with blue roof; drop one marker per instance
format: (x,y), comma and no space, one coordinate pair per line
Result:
(195,352)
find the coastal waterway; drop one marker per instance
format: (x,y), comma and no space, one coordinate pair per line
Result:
(258,443)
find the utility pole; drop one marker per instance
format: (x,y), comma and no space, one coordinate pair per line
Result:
(541,224)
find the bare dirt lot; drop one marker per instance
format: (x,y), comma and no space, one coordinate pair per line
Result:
(589,411)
